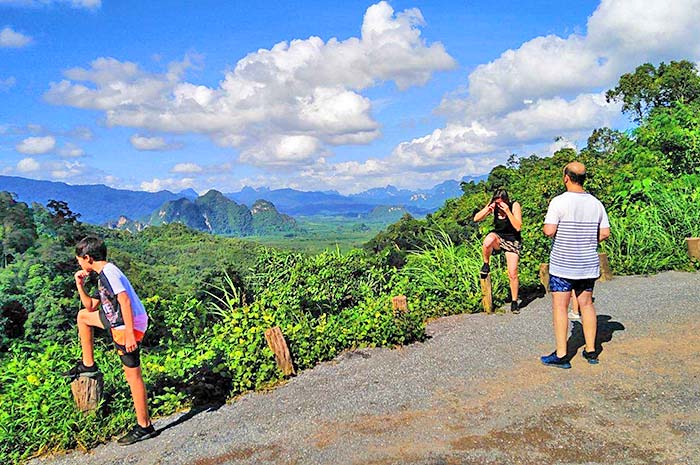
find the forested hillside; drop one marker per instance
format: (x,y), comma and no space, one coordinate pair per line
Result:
(215,213)
(211,298)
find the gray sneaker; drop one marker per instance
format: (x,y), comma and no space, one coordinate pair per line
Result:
(138,433)
(574,316)
(79,369)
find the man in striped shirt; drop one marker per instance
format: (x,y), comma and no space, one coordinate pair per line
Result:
(577,222)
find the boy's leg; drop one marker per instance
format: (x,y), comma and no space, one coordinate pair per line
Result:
(588,318)
(138,394)
(86,321)
(560,318)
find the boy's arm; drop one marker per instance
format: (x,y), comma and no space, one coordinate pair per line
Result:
(128,316)
(88,302)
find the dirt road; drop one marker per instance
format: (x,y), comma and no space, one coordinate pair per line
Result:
(475,392)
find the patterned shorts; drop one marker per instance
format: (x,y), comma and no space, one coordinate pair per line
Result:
(557,284)
(509,246)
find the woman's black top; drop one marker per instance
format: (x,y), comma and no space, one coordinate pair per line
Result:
(503,227)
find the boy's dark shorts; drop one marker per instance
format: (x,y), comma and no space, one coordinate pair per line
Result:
(129,359)
(557,284)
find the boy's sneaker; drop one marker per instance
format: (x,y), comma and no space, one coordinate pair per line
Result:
(485,270)
(79,369)
(553,361)
(592,357)
(514,307)
(574,316)
(138,433)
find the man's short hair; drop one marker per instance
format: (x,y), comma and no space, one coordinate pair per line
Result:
(576,178)
(92,246)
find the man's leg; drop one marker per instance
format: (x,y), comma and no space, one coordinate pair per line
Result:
(138,394)
(512,261)
(574,303)
(560,317)
(86,321)
(588,318)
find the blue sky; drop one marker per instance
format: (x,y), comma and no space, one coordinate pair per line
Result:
(313,95)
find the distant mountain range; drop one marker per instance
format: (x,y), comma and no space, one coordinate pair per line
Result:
(96,203)
(294,202)
(99,204)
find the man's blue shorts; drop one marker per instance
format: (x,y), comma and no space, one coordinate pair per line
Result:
(557,284)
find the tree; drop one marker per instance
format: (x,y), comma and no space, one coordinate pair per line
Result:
(649,88)
(499,177)
(603,141)
(64,222)
(17,230)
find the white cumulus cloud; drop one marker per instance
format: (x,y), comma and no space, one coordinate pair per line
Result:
(554,86)
(27,165)
(186,168)
(10,38)
(171,184)
(157,144)
(285,105)
(70,150)
(36,145)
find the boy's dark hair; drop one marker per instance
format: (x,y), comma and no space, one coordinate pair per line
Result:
(92,246)
(576,178)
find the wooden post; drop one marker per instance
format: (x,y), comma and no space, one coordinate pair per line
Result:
(275,340)
(87,392)
(486,298)
(605,272)
(544,275)
(693,244)
(399,304)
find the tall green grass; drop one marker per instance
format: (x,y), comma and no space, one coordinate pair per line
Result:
(444,279)
(650,237)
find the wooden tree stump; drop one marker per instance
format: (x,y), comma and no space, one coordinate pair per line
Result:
(693,244)
(486,297)
(605,272)
(87,392)
(275,340)
(399,304)
(544,275)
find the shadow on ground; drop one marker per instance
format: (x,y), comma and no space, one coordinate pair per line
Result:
(193,412)
(604,334)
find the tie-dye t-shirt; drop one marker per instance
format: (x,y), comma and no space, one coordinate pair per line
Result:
(110,283)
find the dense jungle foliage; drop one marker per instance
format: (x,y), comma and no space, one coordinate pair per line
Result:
(210,298)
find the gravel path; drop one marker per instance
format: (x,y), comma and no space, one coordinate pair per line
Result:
(474,392)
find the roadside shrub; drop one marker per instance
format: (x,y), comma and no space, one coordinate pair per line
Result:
(443,279)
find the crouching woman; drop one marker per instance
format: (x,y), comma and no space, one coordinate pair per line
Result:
(505,236)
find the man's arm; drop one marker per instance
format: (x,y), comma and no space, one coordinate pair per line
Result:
(549,230)
(603,233)
(128,316)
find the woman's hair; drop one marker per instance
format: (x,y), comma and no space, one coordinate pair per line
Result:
(93,246)
(501,194)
